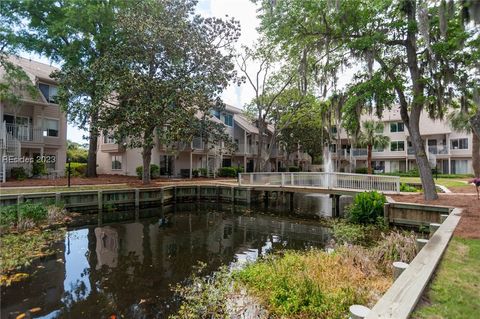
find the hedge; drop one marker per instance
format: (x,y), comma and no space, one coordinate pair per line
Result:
(154,171)
(76,169)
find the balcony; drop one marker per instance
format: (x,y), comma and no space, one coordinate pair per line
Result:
(358,152)
(198,144)
(438,149)
(112,148)
(25,133)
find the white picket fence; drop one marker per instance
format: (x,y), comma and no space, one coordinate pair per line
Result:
(360,182)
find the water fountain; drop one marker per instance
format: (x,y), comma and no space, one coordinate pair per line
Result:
(327,165)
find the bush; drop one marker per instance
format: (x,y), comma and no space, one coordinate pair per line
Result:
(202,172)
(76,169)
(154,171)
(195,173)
(407,188)
(361,170)
(39,168)
(282,169)
(227,172)
(18,173)
(367,208)
(294,169)
(10,215)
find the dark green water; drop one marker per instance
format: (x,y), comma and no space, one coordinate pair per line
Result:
(126,266)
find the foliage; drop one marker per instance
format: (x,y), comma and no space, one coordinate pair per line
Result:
(77,34)
(203,172)
(27,210)
(76,152)
(312,284)
(369,138)
(348,233)
(76,169)
(18,173)
(204,296)
(39,168)
(154,171)
(164,71)
(404,187)
(294,169)
(361,170)
(394,246)
(229,171)
(453,292)
(367,208)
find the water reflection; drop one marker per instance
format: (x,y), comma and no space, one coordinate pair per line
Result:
(126,268)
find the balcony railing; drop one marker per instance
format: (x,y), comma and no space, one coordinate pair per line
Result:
(359,152)
(25,133)
(438,149)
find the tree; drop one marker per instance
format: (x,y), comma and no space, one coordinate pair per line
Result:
(419,48)
(77,152)
(276,95)
(75,33)
(370,138)
(168,65)
(306,128)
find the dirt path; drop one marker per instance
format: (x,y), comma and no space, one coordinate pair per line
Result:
(469,226)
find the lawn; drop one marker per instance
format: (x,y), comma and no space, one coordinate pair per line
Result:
(53,189)
(454,292)
(447,182)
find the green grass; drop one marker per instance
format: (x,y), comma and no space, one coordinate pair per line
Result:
(25,190)
(455,290)
(447,182)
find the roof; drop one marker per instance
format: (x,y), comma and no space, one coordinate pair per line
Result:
(34,69)
(244,123)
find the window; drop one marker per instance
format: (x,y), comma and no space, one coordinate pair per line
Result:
(378,149)
(396,127)
(116,162)
(228,119)
(460,144)
(333,148)
(215,113)
(459,167)
(50,127)
(50,161)
(49,92)
(108,139)
(397,146)
(333,130)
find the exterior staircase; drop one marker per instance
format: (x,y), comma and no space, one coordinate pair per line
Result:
(9,146)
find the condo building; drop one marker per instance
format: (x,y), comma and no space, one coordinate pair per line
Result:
(448,151)
(180,159)
(32,127)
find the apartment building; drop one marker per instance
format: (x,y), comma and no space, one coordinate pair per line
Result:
(449,151)
(35,127)
(181,158)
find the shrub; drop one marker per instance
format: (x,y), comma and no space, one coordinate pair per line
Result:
(76,169)
(361,170)
(294,169)
(367,208)
(18,173)
(39,168)
(407,188)
(35,212)
(227,172)
(347,233)
(282,169)
(195,173)
(154,171)
(202,172)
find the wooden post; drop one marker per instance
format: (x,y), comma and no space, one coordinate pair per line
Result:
(137,197)
(398,268)
(232,193)
(100,200)
(358,312)
(58,198)
(386,213)
(419,243)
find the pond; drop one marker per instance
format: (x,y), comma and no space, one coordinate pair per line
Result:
(126,267)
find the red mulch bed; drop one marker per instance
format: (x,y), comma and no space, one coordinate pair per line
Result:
(469,226)
(101,179)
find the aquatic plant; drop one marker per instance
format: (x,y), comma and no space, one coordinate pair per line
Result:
(367,208)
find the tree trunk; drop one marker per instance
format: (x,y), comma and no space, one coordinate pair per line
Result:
(413,121)
(424,169)
(369,159)
(147,158)
(92,148)
(476,154)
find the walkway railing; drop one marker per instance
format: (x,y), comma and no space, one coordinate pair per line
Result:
(360,182)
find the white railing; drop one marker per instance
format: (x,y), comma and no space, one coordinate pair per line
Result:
(359,152)
(25,133)
(361,182)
